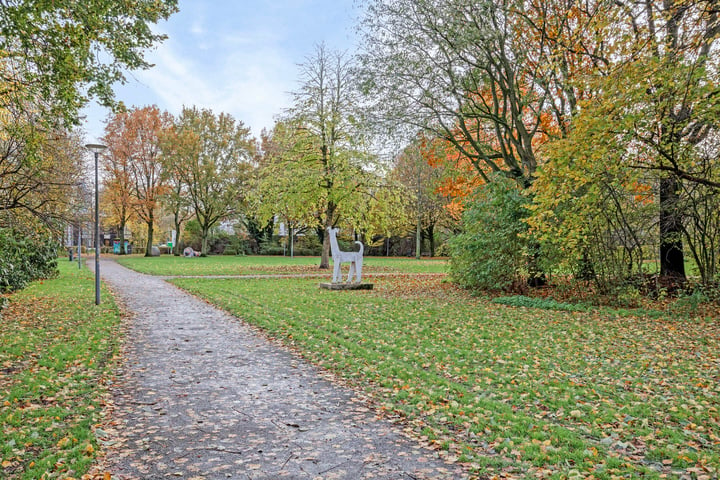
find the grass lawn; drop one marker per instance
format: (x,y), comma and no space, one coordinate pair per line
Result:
(513,392)
(270,265)
(55,348)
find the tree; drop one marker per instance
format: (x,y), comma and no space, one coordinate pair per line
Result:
(592,214)
(218,158)
(283,187)
(462,71)
(417,170)
(330,138)
(501,80)
(175,170)
(40,182)
(40,170)
(117,199)
(485,76)
(654,117)
(57,55)
(675,106)
(134,136)
(388,215)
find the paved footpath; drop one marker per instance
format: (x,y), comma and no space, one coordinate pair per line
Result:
(201,395)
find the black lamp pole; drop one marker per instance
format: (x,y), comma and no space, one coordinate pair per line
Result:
(96,149)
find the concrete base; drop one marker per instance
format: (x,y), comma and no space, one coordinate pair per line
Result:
(347,286)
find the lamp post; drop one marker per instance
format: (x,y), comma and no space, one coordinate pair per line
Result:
(79,241)
(96,149)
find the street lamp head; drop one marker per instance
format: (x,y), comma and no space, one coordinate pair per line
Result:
(95,147)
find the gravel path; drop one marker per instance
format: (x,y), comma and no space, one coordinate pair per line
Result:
(202,396)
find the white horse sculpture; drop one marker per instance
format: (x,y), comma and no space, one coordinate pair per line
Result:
(354,258)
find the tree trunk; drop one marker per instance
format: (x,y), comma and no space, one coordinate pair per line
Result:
(418,239)
(292,241)
(203,247)
(431,239)
(325,257)
(176,245)
(178,225)
(121,236)
(148,247)
(672,260)
(329,217)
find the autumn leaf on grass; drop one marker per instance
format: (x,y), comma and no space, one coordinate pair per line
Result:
(63,442)
(88,450)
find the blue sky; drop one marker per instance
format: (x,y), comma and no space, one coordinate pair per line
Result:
(238,57)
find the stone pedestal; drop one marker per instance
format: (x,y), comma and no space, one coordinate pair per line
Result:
(347,286)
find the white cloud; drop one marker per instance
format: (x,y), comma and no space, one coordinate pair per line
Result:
(197,28)
(251,85)
(234,57)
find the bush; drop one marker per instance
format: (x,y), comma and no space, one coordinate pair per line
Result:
(541,303)
(688,303)
(306,252)
(191,237)
(269,249)
(307,245)
(25,257)
(218,241)
(491,252)
(240,245)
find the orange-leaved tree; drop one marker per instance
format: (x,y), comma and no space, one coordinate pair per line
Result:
(133,139)
(485,76)
(497,80)
(117,202)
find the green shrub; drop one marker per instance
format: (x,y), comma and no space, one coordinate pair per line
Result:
(306,252)
(541,303)
(270,249)
(307,245)
(491,252)
(191,237)
(241,245)
(688,303)
(628,296)
(25,257)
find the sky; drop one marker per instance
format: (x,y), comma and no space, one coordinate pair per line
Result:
(235,56)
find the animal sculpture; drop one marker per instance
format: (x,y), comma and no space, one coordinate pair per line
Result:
(339,257)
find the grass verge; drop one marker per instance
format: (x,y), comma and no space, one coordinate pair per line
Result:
(512,392)
(270,265)
(55,350)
